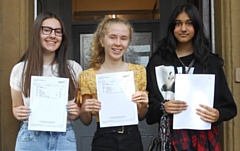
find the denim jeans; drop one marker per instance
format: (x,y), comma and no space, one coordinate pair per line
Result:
(28,140)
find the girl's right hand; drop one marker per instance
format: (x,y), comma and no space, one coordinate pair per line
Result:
(175,106)
(21,112)
(91,105)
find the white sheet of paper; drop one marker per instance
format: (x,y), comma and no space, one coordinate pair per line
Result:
(195,89)
(48,100)
(115,93)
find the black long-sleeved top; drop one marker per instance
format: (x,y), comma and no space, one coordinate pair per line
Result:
(223,100)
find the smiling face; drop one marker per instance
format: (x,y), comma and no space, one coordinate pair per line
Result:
(184,30)
(116,41)
(50,42)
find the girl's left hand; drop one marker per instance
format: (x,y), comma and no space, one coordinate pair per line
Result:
(140,98)
(73,110)
(208,114)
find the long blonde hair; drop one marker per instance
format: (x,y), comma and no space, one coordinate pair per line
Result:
(97,53)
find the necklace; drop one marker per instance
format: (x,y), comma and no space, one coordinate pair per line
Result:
(181,62)
(185,67)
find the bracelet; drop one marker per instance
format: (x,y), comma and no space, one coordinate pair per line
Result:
(162,105)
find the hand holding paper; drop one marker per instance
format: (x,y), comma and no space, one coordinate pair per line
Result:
(73,110)
(175,106)
(91,105)
(141,98)
(208,114)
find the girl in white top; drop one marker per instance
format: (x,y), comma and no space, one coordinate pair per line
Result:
(46,56)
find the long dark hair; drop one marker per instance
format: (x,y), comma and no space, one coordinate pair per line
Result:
(167,46)
(33,57)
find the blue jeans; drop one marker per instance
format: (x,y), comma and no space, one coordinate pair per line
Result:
(28,140)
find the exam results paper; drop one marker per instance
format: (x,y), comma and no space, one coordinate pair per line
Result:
(48,100)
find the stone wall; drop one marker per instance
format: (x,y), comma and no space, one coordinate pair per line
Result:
(15,19)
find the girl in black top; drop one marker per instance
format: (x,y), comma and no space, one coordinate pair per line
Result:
(186,45)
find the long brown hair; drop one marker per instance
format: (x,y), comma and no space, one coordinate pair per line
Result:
(97,51)
(33,57)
